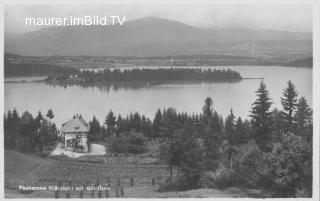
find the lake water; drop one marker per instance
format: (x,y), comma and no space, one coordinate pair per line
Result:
(89,101)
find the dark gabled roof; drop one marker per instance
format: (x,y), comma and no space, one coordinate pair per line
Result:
(76,124)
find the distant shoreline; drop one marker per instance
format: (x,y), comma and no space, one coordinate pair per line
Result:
(154,66)
(44,80)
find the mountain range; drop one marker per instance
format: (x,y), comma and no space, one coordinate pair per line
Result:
(158,37)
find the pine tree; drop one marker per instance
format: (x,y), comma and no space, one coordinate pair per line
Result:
(303,119)
(136,122)
(15,117)
(27,133)
(50,114)
(190,165)
(207,110)
(170,123)
(242,131)
(146,127)
(38,120)
(184,151)
(46,137)
(289,103)
(230,128)
(120,124)
(261,118)
(15,127)
(8,128)
(230,135)
(157,124)
(95,130)
(110,121)
(212,141)
(278,125)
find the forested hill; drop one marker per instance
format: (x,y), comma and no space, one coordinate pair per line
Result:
(35,69)
(305,62)
(158,37)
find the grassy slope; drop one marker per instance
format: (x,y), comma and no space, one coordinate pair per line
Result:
(21,168)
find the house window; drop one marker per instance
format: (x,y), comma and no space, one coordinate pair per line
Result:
(70,143)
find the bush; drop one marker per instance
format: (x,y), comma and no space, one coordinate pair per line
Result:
(134,143)
(207,180)
(221,178)
(174,184)
(247,161)
(288,167)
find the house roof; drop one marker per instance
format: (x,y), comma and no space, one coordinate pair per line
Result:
(76,124)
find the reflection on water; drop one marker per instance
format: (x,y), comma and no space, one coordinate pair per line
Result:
(147,98)
(129,85)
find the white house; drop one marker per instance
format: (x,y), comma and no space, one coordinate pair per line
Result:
(75,134)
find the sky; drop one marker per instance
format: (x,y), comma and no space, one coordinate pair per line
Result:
(289,17)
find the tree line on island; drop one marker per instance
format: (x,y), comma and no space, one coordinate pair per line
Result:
(148,75)
(272,150)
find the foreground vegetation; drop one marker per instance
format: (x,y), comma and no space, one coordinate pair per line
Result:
(40,171)
(272,150)
(28,134)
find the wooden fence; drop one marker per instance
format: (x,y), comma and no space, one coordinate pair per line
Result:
(95,189)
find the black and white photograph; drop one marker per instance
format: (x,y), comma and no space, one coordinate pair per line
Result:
(160,100)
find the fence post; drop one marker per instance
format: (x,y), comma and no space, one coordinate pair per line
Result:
(107,190)
(121,191)
(131,181)
(81,191)
(87,185)
(68,192)
(56,193)
(92,193)
(117,190)
(99,190)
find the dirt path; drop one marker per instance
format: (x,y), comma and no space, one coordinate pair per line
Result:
(95,149)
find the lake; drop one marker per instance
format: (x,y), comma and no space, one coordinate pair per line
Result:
(189,97)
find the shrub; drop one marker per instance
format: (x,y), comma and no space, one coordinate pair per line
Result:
(207,180)
(248,158)
(288,167)
(134,143)
(174,184)
(221,178)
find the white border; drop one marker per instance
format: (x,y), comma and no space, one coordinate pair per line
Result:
(316,71)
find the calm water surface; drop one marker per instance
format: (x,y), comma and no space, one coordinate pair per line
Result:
(67,101)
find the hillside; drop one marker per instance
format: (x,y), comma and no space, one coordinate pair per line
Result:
(34,69)
(21,168)
(24,168)
(157,37)
(305,62)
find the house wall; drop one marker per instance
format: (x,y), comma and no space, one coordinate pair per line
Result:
(70,136)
